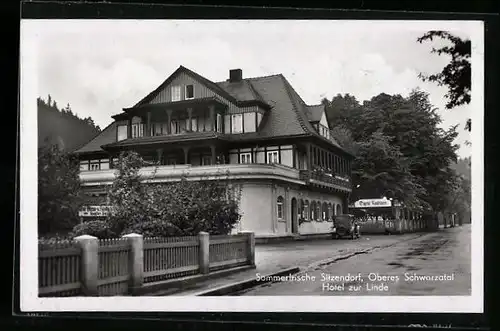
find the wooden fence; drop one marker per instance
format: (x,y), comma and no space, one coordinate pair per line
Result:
(92,267)
(59,270)
(397,226)
(170,257)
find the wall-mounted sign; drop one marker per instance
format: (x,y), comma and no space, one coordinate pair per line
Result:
(372,203)
(94,211)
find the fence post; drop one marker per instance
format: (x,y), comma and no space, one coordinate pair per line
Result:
(250,246)
(204,258)
(136,261)
(90,263)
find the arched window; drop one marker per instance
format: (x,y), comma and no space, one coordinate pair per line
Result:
(318,211)
(339,210)
(279,208)
(301,209)
(313,211)
(306,210)
(330,212)
(325,211)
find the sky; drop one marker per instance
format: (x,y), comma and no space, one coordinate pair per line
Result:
(101,67)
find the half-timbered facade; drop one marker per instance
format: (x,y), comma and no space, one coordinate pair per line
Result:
(258,131)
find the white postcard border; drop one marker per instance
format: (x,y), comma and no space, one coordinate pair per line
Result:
(30,302)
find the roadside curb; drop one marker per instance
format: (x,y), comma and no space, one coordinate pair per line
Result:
(246,284)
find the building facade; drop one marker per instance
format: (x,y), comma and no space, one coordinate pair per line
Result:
(292,174)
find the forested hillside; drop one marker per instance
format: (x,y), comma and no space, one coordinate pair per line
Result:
(62,126)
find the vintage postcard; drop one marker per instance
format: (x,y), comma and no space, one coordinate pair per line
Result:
(252,165)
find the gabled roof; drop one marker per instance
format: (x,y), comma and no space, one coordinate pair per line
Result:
(288,115)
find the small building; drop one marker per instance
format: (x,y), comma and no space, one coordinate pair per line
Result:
(292,173)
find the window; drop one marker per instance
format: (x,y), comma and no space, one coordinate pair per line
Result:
(194,124)
(176,93)
(219,122)
(122,132)
(173,127)
(84,165)
(164,128)
(273,157)
(280,207)
(137,130)
(104,164)
(318,211)
(313,211)
(157,129)
(339,210)
(305,215)
(178,126)
(206,160)
(94,165)
(246,158)
(249,122)
(237,123)
(189,91)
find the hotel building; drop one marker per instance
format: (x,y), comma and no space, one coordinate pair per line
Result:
(258,132)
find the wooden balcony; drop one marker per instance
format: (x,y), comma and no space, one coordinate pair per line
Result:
(326,181)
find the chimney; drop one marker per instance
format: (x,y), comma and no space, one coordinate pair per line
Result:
(235,75)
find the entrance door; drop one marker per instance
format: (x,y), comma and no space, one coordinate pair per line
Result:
(294,215)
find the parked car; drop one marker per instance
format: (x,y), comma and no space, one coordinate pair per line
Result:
(345,226)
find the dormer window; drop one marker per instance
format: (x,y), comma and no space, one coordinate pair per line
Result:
(176,93)
(189,92)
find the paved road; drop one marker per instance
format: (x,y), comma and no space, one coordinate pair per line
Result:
(404,268)
(270,258)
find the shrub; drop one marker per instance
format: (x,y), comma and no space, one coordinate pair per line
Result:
(183,208)
(97,228)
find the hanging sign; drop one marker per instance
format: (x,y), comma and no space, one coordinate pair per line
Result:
(372,203)
(94,211)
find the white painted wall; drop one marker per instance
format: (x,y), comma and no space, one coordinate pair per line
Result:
(256,208)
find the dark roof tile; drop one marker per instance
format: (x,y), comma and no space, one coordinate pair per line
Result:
(289,114)
(107,136)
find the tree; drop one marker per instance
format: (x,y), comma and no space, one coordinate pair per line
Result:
(456,76)
(342,109)
(58,190)
(400,150)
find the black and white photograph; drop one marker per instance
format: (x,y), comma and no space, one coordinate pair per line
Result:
(251,165)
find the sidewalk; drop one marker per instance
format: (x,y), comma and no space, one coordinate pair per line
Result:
(272,258)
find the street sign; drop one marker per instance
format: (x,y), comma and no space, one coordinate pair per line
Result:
(372,203)
(94,211)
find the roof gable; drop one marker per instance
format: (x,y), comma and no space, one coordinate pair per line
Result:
(324,120)
(288,114)
(181,74)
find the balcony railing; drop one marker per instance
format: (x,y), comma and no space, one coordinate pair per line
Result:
(325,178)
(172,173)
